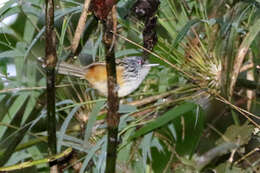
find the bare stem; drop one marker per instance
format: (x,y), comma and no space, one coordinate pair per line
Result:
(113,101)
(50,63)
(81,26)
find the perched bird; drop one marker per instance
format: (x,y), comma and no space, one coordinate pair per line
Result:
(131,71)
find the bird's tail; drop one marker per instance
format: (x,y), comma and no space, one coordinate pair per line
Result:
(70,69)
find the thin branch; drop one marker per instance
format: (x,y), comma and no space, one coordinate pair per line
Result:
(31,163)
(20,89)
(113,101)
(81,26)
(243,49)
(220,150)
(240,110)
(247,155)
(246,67)
(50,63)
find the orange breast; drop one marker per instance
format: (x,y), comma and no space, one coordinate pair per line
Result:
(98,73)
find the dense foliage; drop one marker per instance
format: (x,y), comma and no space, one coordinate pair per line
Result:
(198,111)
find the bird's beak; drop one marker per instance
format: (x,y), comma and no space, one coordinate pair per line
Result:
(150,65)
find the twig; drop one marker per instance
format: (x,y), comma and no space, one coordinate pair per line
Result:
(27,164)
(242,111)
(147,100)
(151,98)
(30,88)
(247,155)
(250,76)
(220,150)
(246,67)
(80,27)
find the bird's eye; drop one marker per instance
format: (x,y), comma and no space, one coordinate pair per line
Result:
(140,61)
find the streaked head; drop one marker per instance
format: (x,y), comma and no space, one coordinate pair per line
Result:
(135,71)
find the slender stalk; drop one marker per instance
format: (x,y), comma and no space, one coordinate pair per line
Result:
(243,49)
(113,102)
(80,27)
(50,63)
(31,163)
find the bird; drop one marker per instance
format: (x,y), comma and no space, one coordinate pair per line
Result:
(130,72)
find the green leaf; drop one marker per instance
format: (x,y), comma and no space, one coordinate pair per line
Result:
(18,156)
(184,32)
(92,119)
(100,165)
(30,105)
(58,14)
(3,68)
(189,128)
(238,134)
(146,148)
(126,108)
(127,52)
(164,119)
(13,110)
(11,54)
(91,153)
(7,6)
(65,25)
(125,151)
(124,7)
(29,31)
(160,159)
(65,126)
